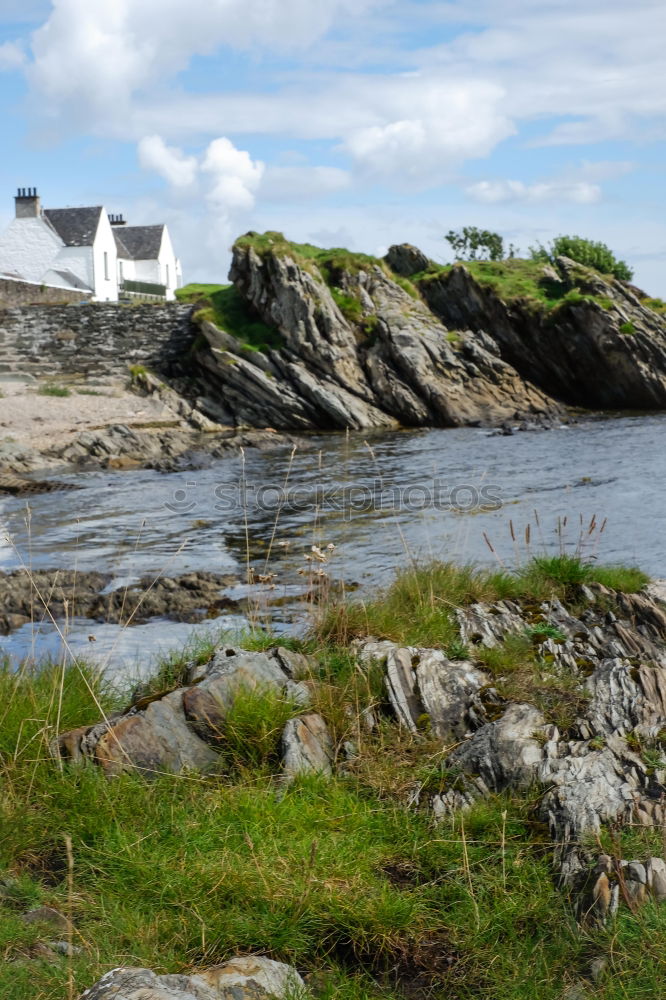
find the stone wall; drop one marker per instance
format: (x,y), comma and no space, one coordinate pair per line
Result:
(97,340)
(28,293)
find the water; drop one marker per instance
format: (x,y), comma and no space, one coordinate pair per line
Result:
(142,522)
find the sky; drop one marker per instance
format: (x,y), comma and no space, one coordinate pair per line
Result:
(356,123)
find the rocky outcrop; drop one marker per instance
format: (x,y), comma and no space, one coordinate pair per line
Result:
(599,348)
(247,978)
(185,728)
(608,767)
(307,747)
(364,346)
(358,353)
(25,596)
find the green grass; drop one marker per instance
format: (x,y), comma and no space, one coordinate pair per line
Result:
(194,292)
(418,607)
(657,305)
(519,280)
(330,261)
(53,390)
(349,305)
(337,877)
(227,309)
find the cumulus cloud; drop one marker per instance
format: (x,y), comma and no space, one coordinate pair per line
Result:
(235,175)
(92,58)
(456,121)
(495,192)
(171,163)
(228,176)
(12,56)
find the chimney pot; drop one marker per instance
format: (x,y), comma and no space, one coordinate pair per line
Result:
(27,203)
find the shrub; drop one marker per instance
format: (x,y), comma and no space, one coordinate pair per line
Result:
(471,243)
(590,253)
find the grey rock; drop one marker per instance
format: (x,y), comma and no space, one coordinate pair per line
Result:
(406,260)
(182,729)
(332,373)
(426,689)
(307,747)
(630,370)
(248,978)
(49,916)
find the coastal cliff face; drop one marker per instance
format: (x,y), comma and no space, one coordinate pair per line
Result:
(401,341)
(599,347)
(359,350)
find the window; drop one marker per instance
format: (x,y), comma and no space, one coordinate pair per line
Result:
(106,266)
(120,269)
(167,275)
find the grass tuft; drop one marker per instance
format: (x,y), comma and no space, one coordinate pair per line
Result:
(53,390)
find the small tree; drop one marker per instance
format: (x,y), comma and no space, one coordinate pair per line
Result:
(586,252)
(471,243)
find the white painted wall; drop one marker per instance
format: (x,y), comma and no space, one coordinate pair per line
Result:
(148,270)
(78,260)
(105,280)
(168,265)
(28,247)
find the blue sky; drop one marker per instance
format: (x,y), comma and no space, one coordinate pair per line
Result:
(343,122)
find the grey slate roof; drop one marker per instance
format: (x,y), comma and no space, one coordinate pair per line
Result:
(141,242)
(76,227)
(121,249)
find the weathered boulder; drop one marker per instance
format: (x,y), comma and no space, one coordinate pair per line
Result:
(248,978)
(183,729)
(406,260)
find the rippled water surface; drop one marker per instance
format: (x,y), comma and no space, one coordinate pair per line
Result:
(143,522)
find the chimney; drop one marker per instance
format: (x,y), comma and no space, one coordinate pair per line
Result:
(117,220)
(28,204)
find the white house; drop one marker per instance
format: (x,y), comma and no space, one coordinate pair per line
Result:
(86,249)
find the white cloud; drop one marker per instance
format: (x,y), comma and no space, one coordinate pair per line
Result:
(12,56)
(235,175)
(456,122)
(298,183)
(91,58)
(171,163)
(494,192)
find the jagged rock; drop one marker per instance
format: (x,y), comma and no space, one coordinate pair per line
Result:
(393,363)
(406,260)
(426,689)
(307,747)
(503,754)
(596,774)
(251,978)
(608,353)
(181,729)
